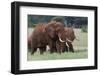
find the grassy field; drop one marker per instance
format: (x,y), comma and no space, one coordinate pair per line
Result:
(80,47)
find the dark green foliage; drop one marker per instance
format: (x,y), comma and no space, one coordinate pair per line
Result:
(70,21)
(58,19)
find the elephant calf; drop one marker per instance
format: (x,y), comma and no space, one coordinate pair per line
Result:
(65,40)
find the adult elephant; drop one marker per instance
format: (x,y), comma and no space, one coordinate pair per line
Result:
(39,38)
(46,34)
(65,40)
(52,29)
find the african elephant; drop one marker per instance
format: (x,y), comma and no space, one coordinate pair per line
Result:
(39,38)
(65,40)
(52,29)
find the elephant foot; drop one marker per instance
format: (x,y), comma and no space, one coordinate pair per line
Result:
(33,51)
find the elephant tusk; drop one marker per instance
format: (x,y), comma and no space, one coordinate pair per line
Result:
(69,40)
(67,45)
(61,40)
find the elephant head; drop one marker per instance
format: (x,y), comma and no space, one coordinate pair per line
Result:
(53,28)
(67,37)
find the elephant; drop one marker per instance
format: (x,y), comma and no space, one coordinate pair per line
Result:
(65,40)
(52,29)
(39,38)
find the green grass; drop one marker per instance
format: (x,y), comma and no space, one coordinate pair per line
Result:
(80,47)
(67,55)
(82,38)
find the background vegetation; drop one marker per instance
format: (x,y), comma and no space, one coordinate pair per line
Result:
(70,21)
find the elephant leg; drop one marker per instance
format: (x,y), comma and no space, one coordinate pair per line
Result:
(52,46)
(59,50)
(51,49)
(33,51)
(63,47)
(71,47)
(42,50)
(58,47)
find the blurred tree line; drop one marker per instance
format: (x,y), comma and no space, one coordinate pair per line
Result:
(70,21)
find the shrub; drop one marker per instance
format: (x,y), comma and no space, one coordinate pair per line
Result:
(58,19)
